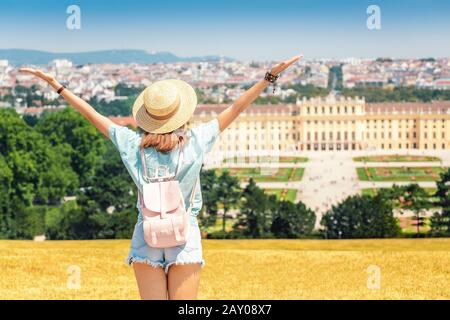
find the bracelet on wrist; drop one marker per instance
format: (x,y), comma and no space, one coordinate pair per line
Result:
(272,79)
(60,89)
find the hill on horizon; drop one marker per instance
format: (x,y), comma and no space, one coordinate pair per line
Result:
(19,57)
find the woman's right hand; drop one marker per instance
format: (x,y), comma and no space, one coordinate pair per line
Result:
(39,73)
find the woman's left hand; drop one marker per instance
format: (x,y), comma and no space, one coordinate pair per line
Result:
(38,73)
(284,65)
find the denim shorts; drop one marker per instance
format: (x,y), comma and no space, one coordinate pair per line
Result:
(187,253)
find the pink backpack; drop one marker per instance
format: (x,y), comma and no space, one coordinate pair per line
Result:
(165,218)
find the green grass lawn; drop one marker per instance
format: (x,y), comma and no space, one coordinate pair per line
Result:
(291,194)
(373,191)
(266,174)
(399,173)
(396,158)
(266,159)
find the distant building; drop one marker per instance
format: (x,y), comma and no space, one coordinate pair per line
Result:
(61,64)
(442,84)
(332,123)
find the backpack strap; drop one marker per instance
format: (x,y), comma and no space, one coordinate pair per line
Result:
(191,198)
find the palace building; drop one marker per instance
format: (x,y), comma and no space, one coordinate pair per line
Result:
(331,123)
(334,123)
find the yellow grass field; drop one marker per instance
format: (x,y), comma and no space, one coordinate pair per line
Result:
(237,269)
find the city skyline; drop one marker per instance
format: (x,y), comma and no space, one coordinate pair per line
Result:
(319,29)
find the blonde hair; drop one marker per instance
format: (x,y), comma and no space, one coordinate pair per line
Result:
(163,142)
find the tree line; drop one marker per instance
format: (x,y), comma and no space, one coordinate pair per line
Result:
(60,177)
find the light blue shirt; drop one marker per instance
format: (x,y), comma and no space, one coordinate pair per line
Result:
(200,141)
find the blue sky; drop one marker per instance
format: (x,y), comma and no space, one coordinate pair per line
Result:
(252,29)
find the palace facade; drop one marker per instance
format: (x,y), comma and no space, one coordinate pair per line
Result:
(334,123)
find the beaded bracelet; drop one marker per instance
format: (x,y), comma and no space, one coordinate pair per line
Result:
(272,79)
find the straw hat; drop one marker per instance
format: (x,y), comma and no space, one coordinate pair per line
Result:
(164,106)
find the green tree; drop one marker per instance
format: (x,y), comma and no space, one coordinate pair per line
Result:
(292,220)
(208,213)
(75,138)
(40,175)
(440,222)
(416,199)
(6,215)
(255,216)
(361,216)
(228,193)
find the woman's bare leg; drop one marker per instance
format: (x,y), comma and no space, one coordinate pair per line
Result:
(152,282)
(183,281)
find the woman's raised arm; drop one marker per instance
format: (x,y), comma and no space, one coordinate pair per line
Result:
(101,122)
(227,116)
